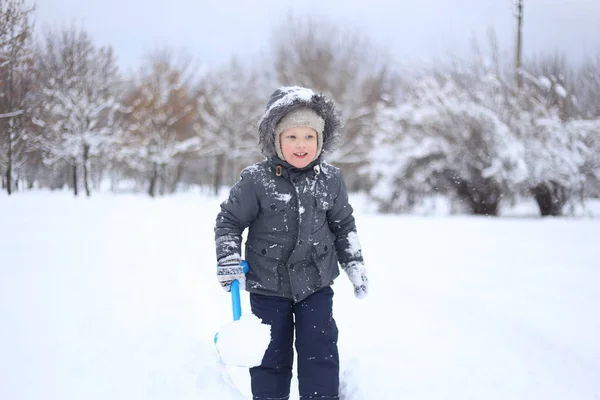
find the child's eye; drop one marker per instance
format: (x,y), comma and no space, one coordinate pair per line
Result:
(291,137)
(310,137)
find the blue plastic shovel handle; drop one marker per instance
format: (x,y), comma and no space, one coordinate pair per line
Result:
(236,304)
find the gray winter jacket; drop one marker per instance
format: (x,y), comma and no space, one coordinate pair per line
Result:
(300,224)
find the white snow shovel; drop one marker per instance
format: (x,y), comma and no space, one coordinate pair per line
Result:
(243,342)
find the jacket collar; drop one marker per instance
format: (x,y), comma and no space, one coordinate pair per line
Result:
(283,168)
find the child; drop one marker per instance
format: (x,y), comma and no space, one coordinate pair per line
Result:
(300,226)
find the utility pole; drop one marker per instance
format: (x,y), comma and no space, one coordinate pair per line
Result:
(518,60)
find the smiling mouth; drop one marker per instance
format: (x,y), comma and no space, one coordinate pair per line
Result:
(300,155)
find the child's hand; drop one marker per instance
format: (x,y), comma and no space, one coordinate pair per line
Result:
(227,273)
(357,274)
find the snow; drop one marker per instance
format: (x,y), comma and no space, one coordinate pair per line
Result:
(561,91)
(116,297)
(243,342)
(285,197)
(354,243)
(545,82)
(292,94)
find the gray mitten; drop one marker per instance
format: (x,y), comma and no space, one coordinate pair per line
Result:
(228,271)
(357,274)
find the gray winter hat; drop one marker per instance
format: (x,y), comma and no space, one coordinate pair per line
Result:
(300,117)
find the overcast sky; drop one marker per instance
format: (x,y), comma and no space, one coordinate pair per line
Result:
(213,30)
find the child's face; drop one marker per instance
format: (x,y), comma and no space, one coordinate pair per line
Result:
(299,145)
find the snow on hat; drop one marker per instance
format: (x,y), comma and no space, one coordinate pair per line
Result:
(303,116)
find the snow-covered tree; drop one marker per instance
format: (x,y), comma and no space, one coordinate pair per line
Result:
(15,78)
(78,106)
(588,88)
(160,112)
(560,140)
(468,132)
(231,103)
(590,130)
(554,140)
(445,139)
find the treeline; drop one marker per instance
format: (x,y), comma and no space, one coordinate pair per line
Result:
(463,128)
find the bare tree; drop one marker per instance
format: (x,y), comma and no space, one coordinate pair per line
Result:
(346,65)
(558,79)
(15,71)
(587,87)
(161,111)
(231,103)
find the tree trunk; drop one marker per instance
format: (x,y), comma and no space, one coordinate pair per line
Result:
(86,155)
(162,179)
(519,47)
(75,188)
(219,165)
(153,179)
(550,197)
(482,195)
(482,207)
(177,178)
(9,166)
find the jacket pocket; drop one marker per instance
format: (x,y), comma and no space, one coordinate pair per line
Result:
(263,258)
(323,203)
(274,212)
(325,259)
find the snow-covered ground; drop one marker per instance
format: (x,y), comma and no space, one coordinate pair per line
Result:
(115,297)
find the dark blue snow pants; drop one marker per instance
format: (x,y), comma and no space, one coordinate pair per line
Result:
(316,345)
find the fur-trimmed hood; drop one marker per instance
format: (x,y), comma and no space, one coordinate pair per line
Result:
(286,99)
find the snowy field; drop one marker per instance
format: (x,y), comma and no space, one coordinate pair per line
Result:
(115,297)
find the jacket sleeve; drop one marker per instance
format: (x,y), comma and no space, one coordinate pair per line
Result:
(342,224)
(237,213)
